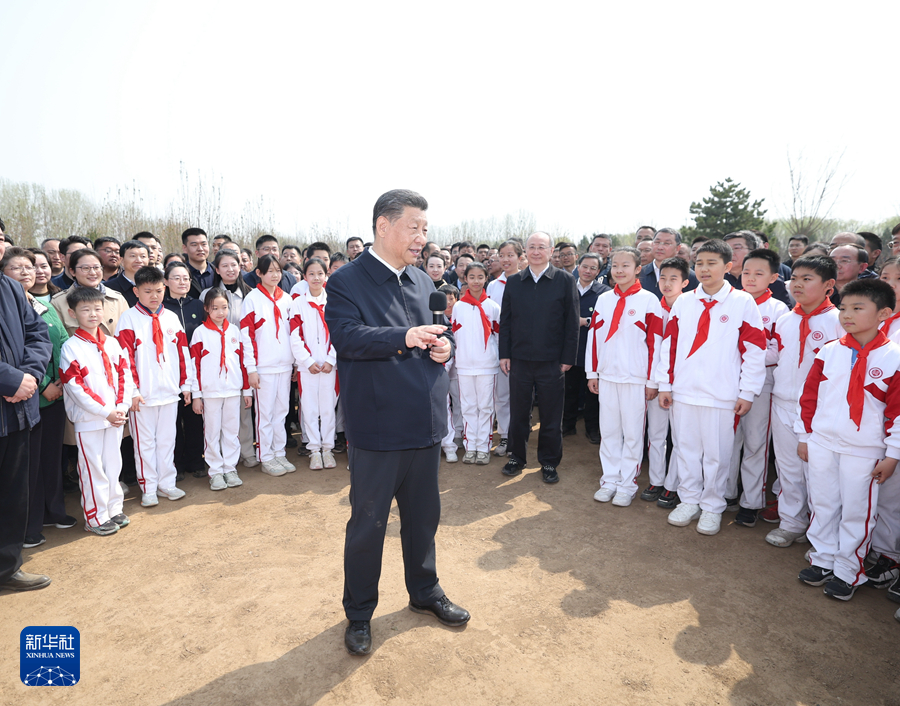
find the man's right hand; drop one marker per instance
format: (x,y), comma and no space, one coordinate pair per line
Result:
(504,365)
(423,336)
(27,388)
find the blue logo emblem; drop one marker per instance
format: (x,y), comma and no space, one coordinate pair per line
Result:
(50,656)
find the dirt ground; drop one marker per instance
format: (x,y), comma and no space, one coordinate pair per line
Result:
(234,597)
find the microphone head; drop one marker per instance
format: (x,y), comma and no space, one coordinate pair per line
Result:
(437,301)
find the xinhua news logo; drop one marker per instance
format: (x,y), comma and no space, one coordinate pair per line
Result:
(50,656)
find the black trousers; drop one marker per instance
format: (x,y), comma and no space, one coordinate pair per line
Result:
(544,379)
(376,478)
(576,386)
(13,500)
(189,439)
(45,492)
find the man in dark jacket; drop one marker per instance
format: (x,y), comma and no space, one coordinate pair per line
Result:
(665,245)
(25,351)
(394,391)
(538,344)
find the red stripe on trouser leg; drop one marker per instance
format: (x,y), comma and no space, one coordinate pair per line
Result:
(90,516)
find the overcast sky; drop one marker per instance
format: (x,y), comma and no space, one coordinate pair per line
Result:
(592,115)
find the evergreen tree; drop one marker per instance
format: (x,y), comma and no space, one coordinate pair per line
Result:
(727,209)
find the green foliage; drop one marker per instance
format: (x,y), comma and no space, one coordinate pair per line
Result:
(728,208)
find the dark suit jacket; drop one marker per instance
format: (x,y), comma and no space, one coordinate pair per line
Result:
(650,283)
(586,303)
(121,284)
(393,397)
(539,320)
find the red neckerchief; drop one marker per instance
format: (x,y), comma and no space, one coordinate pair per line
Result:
(485,321)
(221,331)
(99,342)
(885,328)
(855,396)
(764,297)
(826,305)
(702,327)
(665,304)
(321,309)
(158,340)
(620,307)
(274,299)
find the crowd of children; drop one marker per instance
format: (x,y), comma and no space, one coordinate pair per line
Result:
(706,377)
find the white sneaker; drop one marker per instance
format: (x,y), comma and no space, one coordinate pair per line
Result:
(482,458)
(172,493)
(315,461)
(232,480)
(783,538)
(217,482)
(252,462)
(501,448)
(451,455)
(710,522)
(469,457)
(285,464)
(622,499)
(604,495)
(273,468)
(684,514)
(328,458)
(149,500)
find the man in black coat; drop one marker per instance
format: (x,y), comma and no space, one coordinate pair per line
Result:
(538,344)
(394,391)
(665,245)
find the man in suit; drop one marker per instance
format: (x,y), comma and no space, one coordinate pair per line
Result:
(394,391)
(538,344)
(665,245)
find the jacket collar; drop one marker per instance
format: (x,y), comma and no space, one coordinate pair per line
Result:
(377,270)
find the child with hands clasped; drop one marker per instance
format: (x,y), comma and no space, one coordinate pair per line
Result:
(219,382)
(315,358)
(454,415)
(622,350)
(850,437)
(159,358)
(97,386)
(476,325)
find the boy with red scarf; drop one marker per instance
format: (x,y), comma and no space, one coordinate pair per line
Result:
(622,350)
(849,436)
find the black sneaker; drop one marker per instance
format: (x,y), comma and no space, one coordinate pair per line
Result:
(569,432)
(549,474)
(340,443)
(121,520)
(651,493)
(303,451)
(815,575)
(200,473)
(179,475)
(732,505)
(290,443)
(668,500)
(65,523)
(746,517)
(35,541)
(840,589)
(513,467)
(893,591)
(883,572)
(593,436)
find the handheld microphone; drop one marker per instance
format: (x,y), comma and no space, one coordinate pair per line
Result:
(437,302)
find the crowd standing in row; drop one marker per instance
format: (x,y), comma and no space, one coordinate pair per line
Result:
(704,352)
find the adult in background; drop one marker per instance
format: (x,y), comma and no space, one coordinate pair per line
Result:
(51,247)
(644,233)
(742,243)
(68,247)
(568,255)
(538,344)
(390,360)
(874,247)
(154,247)
(24,353)
(895,241)
(601,244)
(107,248)
(354,247)
(665,245)
(133,255)
(268,245)
(852,262)
(195,244)
(218,241)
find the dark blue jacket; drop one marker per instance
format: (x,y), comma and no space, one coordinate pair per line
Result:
(120,284)
(24,348)
(651,284)
(393,397)
(587,301)
(190,313)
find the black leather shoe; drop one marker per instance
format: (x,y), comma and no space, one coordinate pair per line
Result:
(549,474)
(593,437)
(569,432)
(21,581)
(513,467)
(444,610)
(358,637)
(290,443)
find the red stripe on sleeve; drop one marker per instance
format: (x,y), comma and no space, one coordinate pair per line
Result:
(750,334)
(810,396)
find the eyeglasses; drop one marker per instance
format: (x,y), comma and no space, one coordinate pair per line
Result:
(89,268)
(109,251)
(180,280)
(21,268)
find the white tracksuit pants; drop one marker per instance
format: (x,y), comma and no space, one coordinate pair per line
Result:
(843,499)
(317,401)
(221,421)
(657,433)
(476,397)
(448,443)
(99,465)
(621,434)
(272,400)
(153,429)
(886,537)
(705,437)
(501,403)
(793,508)
(753,432)
(245,433)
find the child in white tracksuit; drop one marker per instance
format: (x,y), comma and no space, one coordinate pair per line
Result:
(219,383)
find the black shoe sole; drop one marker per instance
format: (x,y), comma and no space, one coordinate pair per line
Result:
(821,582)
(511,472)
(668,504)
(745,523)
(840,598)
(358,652)
(20,589)
(426,611)
(650,497)
(550,481)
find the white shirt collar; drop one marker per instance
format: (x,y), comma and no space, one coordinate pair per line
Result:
(656,270)
(383,262)
(582,290)
(537,276)
(718,296)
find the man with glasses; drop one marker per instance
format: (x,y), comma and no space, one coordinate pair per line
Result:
(852,261)
(567,256)
(51,249)
(108,250)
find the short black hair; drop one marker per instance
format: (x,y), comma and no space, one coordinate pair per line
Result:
(80,295)
(718,247)
(80,254)
(466,255)
(895,229)
(222,236)
(2,226)
(315,261)
(590,256)
(131,245)
(172,266)
(149,274)
(475,266)
(318,246)
(213,294)
(338,256)
(763,238)
(263,239)
(873,240)
(879,291)
(605,236)
(295,248)
(822,265)
(483,245)
(352,238)
(146,234)
(188,233)
(769,256)
(45,240)
(466,244)
(514,244)
(449,289)
(645,228)
(66,242)
(265,263)
(802,238)
(699,239)
(676,263)
(105,239)
(392,203)
(563,245)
